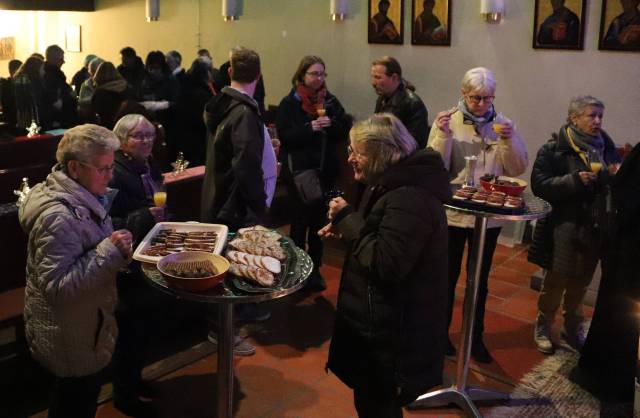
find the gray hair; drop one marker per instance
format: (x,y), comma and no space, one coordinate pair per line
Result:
(126,124)
(94,64)
(385,140)
(84,142)
(579,103)
(479,79)
(174,56)
(88,59)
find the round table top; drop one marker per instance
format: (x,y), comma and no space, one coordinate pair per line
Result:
(299,269)
(535,208)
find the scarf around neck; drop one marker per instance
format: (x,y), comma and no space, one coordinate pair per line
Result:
(144,171)
(477,121)
(311,100)
(587,142)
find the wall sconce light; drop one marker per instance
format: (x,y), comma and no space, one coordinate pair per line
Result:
(153,10)
(492,11)
(338,9)
(230,10)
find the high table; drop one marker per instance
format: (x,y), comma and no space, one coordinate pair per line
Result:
(225,296)
(460,393)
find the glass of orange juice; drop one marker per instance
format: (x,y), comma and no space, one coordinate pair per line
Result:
(160,197)
(595,166)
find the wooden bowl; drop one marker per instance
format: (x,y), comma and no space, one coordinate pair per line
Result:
(194,284)
(510,190)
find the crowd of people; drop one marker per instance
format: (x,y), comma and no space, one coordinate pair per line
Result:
(405,250)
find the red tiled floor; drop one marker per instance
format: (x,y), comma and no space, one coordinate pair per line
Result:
(286,377)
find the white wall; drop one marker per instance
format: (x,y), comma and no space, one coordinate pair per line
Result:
(534,86)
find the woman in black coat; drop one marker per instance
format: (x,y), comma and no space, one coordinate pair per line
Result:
(136,179)
(196,93)
(310,122)
(610,353)
(391,322)
(562,175)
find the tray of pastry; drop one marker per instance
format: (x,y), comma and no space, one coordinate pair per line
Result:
(171,237)
(490,201)
(260,260)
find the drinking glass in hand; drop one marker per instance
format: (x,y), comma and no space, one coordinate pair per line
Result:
(331,194)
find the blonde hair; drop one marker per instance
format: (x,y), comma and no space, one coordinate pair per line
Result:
(385,141)
(84,142)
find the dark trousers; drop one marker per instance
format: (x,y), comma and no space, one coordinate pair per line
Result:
(457,239)
(74,397)
(139,307)
(305,224)
(375,402)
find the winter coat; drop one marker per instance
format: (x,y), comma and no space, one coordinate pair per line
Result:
(71,268)
(233,187)
(194,96)
(391,320)
(496,156)
(555,179)
(107,99)
(130,208)
(302,143)
(610,352)
(410,109)
(56,88)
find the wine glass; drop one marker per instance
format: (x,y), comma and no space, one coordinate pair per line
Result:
(595,163)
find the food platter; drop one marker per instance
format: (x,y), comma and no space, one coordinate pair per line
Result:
(468,201)
(220,231)
(281,279)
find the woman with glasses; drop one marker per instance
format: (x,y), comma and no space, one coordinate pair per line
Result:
(137,179)
(473,128)
(389,335)
(310,123)
(73,256)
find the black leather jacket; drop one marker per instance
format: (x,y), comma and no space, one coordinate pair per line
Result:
(410,109)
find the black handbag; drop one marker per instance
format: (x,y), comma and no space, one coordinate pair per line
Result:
(307,182)
(541,248)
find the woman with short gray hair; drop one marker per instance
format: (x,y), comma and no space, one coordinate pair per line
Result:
(473,128)
(73,255)
(389,334)
(571,172)
(136,178)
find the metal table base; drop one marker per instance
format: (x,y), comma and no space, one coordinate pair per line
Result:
(460,393)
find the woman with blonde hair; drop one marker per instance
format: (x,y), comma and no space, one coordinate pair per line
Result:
(389,334)
(111,90)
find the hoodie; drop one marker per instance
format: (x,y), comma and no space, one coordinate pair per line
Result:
(71,267)
(391,312)
(233,187)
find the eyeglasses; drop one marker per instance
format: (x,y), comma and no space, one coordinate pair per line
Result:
(478,99)
(353,152)
(149,137)
(103,171)
(317,74)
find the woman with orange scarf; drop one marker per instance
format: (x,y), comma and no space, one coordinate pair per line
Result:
(310,122)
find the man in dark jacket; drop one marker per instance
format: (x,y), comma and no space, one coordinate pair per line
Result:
(132,69)
(58,94)
(221,79)
(397,96)
(233,191)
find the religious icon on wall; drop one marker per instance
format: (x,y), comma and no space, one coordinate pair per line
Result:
(559,24)
(385,21)
(431,22)
(620,25)
(7,48)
